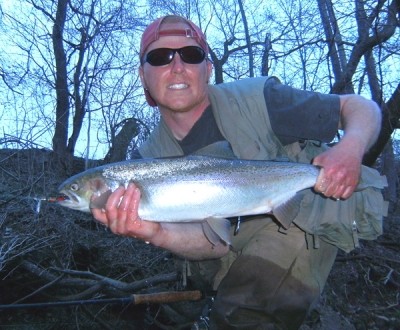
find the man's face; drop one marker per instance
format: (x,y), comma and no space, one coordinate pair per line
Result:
(177,86)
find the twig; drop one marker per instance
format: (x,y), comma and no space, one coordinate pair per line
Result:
(365,256)
(388,276)
(89,292)
(9,173)
(98,280)
(136,299)
(389,243)
(38,290)
(383,308)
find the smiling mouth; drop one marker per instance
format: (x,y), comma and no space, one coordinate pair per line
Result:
(178,86)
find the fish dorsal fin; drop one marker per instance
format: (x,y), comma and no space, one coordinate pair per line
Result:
(287,212)
(220,149)
(217,230)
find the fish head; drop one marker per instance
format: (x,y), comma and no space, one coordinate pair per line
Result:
(84,191)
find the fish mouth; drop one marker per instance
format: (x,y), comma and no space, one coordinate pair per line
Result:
(72,200)
(68,197)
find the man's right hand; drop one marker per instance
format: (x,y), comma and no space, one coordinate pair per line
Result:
(121,215)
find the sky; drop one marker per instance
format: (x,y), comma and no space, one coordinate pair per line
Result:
(19,120)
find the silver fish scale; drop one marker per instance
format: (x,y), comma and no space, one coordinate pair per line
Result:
(200,168)
(198,187)
(161,168)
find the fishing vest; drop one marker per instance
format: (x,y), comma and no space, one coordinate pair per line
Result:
(242,116)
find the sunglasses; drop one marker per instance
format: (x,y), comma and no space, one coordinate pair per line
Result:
(164,56)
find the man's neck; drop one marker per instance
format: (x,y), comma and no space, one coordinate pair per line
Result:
(180,123)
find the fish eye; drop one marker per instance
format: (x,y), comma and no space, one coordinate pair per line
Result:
(74,187)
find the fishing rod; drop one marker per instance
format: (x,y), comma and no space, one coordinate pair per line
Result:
(135,299)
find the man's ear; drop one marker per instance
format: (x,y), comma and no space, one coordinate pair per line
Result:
(209,70)
(141,76)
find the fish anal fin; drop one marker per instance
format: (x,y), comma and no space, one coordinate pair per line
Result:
(217,230)
(287,212)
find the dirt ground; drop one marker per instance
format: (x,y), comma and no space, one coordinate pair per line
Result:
(48,253)
(363,288)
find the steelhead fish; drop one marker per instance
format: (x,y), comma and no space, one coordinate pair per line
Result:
(195,189)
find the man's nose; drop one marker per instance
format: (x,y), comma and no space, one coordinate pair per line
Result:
(177,63)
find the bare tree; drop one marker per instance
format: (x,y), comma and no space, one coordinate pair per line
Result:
(375,28)
(61,80)
(75,51)
(81,70)
(247,37)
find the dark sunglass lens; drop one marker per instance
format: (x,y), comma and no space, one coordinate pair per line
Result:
(192,54)
(164,56)
(160,56)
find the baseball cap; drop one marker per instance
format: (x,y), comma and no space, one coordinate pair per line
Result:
(153,32)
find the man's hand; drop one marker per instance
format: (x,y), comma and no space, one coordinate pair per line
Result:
(185,239)
(340,174)
(341,165)
(121,215)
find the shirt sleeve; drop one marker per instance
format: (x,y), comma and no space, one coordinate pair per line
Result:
(301,115)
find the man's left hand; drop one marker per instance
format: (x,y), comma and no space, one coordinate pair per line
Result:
(340,172)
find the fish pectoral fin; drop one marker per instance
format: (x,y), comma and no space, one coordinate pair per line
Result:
(287,212)
(217,230)
(99,201)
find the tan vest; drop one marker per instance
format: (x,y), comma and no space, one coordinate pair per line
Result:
(242,117)
(240,112)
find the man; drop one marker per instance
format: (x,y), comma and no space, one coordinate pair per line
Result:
(271,274)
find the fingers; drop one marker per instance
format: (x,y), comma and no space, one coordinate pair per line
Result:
(112,207)
(128,209)
(340,171)
(120,214)
(108,211)
(122,210)
(348,192)
(336,185)
(99,215)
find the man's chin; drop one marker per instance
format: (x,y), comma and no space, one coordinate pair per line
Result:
(178,106)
